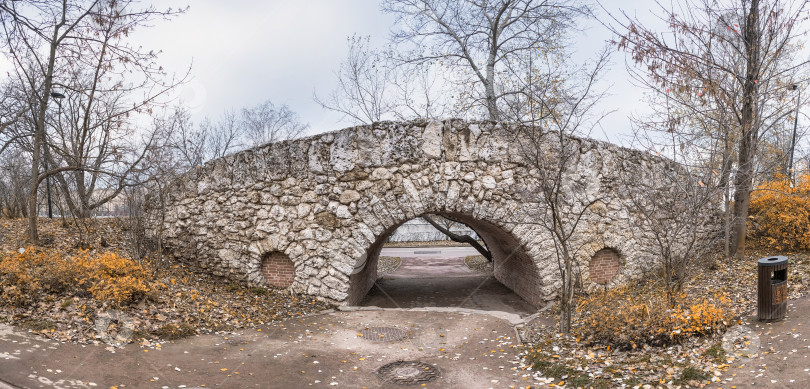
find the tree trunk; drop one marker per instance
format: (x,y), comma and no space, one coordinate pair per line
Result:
(567,294)
(744,179)
(742,200)
(83,195)
(492,106)
(33,235)
(489,88)
(39,133)
(725,179)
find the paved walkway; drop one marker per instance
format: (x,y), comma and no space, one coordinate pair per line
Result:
(782,358)
(469,350)
(430,281)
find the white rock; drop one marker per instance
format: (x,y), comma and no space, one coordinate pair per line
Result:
(488,182)
(432,140)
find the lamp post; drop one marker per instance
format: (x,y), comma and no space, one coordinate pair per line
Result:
(58,96)
(795,124)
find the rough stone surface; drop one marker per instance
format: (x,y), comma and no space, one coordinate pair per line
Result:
(329,202)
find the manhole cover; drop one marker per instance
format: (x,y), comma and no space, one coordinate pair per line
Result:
(384,334)
(408,372)
(428,252)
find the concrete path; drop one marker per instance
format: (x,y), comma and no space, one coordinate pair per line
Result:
(429,252)
(782,358)
(427,267)
(466,350)
(435,281)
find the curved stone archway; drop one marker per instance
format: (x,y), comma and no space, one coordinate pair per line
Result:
(328,201)
(512,266)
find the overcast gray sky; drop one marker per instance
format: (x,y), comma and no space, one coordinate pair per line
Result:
(245,52)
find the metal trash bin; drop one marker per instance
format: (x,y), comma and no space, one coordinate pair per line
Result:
(772,288)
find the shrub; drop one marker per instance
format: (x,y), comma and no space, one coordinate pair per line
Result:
(25,274)
(107,277)
(780,214)
(112,278)
(627,318)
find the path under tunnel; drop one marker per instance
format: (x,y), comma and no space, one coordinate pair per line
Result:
(438,277)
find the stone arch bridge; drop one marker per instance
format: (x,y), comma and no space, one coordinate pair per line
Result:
(312,214)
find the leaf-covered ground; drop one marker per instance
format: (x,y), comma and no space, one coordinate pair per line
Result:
(183,302)
(570,361)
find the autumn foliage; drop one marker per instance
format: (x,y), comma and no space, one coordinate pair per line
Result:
(29,275)
(629,317)
(780,214)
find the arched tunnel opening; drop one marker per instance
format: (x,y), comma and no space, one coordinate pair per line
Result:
(439,276)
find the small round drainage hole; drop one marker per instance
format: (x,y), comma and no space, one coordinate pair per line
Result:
(384,334)
(408,372)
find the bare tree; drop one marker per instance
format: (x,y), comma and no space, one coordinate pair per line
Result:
(478,37)
(12,109)
(678,208)
(13,183)
(188,142)
(225,135)
(164,164)
(371,87)
(193,144)
(547,142)
(729,63)
(363,90)
(267,123)
(80,47)
(92,132)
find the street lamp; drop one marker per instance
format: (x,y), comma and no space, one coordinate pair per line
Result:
(58,96)
(795,124)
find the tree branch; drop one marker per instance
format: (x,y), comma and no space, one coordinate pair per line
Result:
(460,238)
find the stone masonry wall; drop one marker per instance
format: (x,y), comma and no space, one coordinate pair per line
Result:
(327,202)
